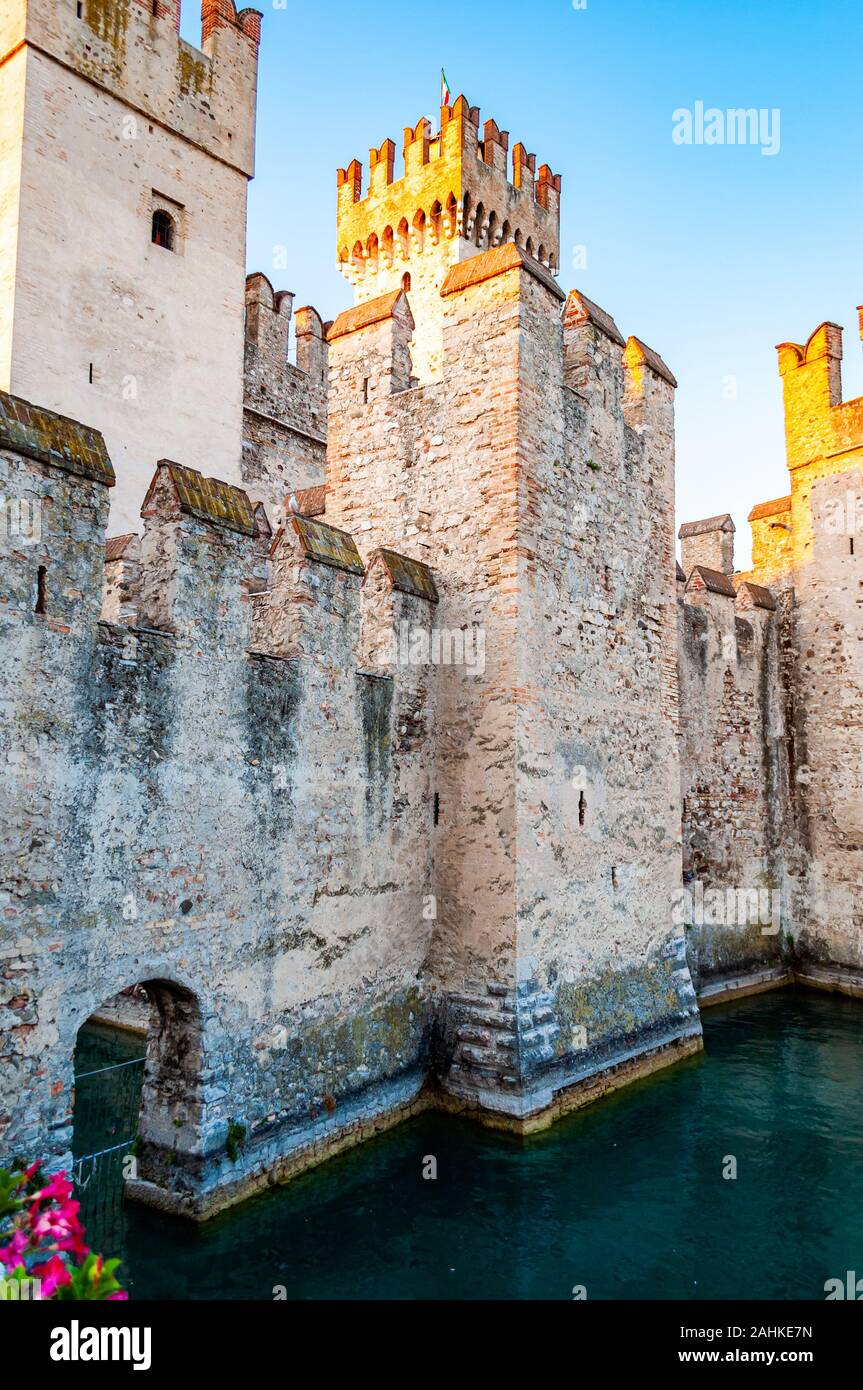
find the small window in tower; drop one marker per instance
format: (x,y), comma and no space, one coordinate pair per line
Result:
(582,808)
(169,228)
(406,281)
(163,229)
(41,606)
(79,9)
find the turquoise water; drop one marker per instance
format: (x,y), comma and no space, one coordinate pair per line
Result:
(626,1198)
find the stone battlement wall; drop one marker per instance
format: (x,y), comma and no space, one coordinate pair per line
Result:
(771,679)
(220,801)
(737,761)
(819,424)
(284,405)
(455,201)
(810,546)
(454,184)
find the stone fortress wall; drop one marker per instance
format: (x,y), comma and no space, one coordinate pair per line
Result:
(772,662)
(284,403)
(214,796)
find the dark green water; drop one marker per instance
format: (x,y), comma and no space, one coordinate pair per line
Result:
(626,1198)
(106,1105)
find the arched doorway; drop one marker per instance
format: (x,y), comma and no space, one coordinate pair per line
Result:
(137,1106)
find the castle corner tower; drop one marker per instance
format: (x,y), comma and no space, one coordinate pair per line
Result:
(808,546)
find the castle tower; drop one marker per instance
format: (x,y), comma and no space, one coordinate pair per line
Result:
(811,544)
(125,156)
(535,477)
(460,195)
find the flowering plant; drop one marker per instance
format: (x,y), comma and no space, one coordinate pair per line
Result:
(42,1238)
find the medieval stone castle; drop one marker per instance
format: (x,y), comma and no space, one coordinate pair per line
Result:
(383,740)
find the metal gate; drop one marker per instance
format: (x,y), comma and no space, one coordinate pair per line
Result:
(107,1101)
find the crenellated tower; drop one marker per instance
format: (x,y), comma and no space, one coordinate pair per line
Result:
(811,543)
(508,435)
(125,157)
(461,194)
(805,821)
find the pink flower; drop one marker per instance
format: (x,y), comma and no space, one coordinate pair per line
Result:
(11,1254)
(57,1189)
(49,1229)
(59,1227)
(52,1274)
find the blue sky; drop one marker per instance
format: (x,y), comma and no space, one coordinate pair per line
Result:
(712,254)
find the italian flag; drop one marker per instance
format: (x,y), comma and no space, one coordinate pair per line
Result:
(445,92)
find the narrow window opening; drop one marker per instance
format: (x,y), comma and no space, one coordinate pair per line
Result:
(614,877)
(41,590)
(79,9)
(365,390)
(406,281)
(582,808)
(163,229)
(91,373)
(852,545)
(437,808)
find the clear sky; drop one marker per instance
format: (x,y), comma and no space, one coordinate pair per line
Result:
(710,253)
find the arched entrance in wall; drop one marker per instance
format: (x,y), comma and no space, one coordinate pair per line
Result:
(138,1061)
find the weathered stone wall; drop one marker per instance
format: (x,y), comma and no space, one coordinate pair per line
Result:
(770,523)
(816,559)
(772,780)
(740,867)
(121,587)
(554,944)
(242,824)
(709,542)
(121,117)
(284,405)
(828,672)
(598,835)
(440,462)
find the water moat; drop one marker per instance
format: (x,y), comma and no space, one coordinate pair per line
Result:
(626,1198)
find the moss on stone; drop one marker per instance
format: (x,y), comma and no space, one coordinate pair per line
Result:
(193,73)
(110,20)
(616,1003)
(376,705)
